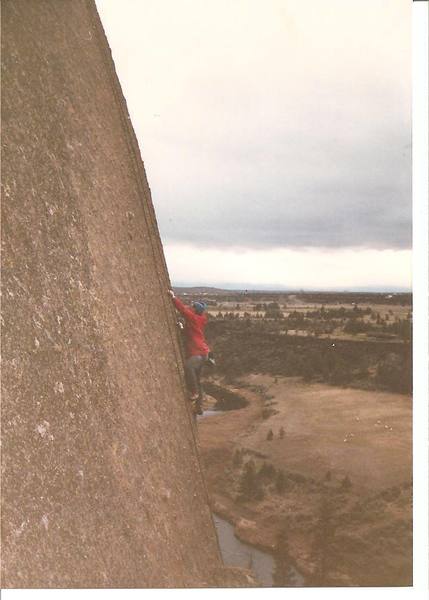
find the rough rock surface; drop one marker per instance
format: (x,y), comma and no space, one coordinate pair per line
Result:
(101,481)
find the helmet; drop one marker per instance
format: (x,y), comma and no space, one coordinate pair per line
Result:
(199,307)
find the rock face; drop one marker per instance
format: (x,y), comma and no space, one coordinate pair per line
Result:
(101,481)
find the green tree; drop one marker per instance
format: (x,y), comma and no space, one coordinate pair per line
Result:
(273,313)
(250,485)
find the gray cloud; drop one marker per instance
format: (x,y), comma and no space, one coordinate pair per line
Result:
(320,194)
(271,124)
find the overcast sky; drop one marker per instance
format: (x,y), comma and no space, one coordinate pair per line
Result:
(276,136)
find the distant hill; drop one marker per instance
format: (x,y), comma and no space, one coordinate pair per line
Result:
(298,297)
(264,289)
(199,290)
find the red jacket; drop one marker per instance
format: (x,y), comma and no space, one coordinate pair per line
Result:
(196,344)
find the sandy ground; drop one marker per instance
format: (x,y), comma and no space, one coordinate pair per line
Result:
(365,435)
(329,433)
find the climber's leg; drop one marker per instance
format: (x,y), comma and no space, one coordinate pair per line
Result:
(192,371)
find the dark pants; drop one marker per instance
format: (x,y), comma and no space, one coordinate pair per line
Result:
(193,368)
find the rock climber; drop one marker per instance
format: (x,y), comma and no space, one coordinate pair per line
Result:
(197,349)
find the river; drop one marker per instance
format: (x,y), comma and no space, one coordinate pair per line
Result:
(236,553)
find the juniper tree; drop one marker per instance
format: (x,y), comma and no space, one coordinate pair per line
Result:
(250,487)
(267,471)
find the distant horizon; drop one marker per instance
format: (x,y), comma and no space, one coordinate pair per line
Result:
(278,288)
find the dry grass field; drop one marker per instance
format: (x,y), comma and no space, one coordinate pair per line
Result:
(344,456)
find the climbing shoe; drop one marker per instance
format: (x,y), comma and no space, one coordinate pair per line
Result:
(211,359)
(197,407)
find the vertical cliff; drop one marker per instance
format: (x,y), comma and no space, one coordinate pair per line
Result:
(101,483)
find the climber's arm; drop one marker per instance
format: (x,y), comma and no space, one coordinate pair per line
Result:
(184,310)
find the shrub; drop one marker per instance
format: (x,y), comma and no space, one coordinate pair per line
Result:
(273,313)
(297,478)
(283,561)
(395,374)
(250,487)
(281,482)
(268,412)
(267,471)
(237,459)
(323,550)
(346,483)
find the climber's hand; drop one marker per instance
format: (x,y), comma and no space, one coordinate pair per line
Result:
(171,293)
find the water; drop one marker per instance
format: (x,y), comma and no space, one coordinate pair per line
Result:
(236,553)
(209,413)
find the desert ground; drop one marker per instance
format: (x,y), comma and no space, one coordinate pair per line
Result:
(333,465)
(310,456)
